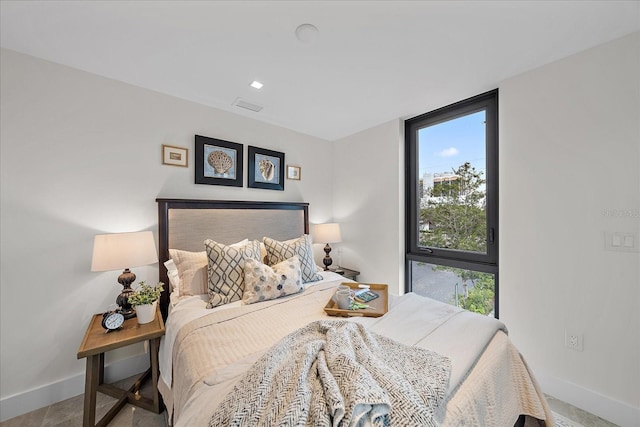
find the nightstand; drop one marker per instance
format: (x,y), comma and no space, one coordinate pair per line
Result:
(349,274)
(95,343)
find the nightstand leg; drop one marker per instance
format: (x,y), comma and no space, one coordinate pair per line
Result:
(92,376)
(155,372)
(101,369)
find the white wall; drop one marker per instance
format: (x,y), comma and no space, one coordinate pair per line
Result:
(81,155)
(368,202)
(570,171)
(569,158)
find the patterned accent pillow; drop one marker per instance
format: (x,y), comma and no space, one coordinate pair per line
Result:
(280,251)
(192,270)
(262,283)
(225,270)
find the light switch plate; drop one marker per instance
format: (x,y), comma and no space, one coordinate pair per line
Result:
(622,241)
(616,240)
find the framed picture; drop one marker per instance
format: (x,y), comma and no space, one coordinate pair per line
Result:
(266,169)
(175,156)
(293,172)
(218,162)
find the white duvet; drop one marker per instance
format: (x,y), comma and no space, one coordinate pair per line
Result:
(412,320)
(185,309)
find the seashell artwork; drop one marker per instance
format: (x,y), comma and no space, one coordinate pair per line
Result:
(220,161)
(267,169)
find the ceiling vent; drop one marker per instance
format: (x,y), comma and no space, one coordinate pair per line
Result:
(247,105)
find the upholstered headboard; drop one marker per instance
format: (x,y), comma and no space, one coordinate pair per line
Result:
(185,224)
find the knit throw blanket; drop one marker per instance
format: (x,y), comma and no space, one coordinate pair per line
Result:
(336,373)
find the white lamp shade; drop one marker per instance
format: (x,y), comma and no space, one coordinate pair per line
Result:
(327,233)
(123,250)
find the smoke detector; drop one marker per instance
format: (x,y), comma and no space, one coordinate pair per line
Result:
(307,33)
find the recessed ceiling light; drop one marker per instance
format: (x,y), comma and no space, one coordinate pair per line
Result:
(256,84)
(307,33)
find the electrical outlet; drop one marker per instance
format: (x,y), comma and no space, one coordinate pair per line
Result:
(573,340)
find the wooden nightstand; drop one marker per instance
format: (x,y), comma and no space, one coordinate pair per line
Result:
(95,343)
(349,274)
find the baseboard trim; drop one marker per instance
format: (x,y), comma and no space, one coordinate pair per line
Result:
(612,410)
(48,394)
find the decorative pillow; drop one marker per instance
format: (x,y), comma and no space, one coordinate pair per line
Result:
(174,277)
(281,251)
(262,283)
(226,270)
(192,270)
(263,253)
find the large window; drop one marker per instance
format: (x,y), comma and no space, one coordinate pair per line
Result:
(452,204)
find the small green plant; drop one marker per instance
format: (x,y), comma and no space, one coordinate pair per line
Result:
(146,294)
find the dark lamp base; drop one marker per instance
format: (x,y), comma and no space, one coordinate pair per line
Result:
(126,279)
(129,314)
(327,261)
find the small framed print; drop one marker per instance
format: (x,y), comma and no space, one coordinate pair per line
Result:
(175,156)
(266,169)
(293,172)
(218,162)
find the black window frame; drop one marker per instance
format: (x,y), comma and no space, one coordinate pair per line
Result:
(486,263)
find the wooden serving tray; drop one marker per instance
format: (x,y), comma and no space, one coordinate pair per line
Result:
(377,307)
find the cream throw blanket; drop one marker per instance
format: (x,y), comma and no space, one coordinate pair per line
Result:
(337,373)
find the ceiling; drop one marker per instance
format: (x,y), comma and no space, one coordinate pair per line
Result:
(372,61)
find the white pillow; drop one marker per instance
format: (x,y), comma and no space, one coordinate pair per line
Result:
(192,270)
(174,277)
(262,283)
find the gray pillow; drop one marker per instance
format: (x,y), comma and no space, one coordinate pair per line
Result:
(281,251)
(225,270)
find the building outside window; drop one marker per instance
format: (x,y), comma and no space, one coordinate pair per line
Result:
(452,204)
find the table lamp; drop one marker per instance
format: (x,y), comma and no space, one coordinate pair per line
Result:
(121,251)
(327,233)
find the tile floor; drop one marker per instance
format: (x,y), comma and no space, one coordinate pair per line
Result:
(576,414)
(68,413)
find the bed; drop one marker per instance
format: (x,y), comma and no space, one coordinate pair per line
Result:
(280,360)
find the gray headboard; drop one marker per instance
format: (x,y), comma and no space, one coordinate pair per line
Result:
(185,224)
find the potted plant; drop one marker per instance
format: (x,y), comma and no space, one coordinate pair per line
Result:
(145,299)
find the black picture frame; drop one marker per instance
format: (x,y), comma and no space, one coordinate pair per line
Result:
(266,169)
(213,156)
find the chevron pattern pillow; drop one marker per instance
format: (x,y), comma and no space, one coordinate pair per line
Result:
(262,283)
(225,270)
(280,251)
